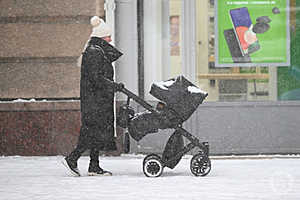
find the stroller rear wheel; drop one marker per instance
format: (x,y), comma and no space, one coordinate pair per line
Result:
(200,165)
(152,166)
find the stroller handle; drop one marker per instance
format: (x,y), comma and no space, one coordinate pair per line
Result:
(120,87)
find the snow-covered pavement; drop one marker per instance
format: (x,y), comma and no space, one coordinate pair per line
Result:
(29,178)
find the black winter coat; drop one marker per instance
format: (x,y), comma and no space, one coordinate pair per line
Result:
(97,113)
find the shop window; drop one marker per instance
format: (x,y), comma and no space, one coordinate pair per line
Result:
(254,82)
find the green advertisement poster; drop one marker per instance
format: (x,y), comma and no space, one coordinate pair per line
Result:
(288,78)
(252,33)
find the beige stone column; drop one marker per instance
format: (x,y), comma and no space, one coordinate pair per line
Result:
(40,43)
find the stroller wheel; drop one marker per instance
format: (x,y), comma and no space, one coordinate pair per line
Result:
(152,166)
(200,165)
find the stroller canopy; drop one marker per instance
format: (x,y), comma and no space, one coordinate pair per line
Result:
(180,95)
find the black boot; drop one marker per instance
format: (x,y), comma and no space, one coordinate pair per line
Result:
(71,165)
(95,170)
(70,162)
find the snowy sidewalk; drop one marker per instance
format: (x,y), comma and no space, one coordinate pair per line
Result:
(30,178)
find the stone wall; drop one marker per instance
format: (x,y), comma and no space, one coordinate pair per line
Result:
(42,128)
(40,43)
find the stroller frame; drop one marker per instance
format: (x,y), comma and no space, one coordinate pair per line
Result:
(153,164)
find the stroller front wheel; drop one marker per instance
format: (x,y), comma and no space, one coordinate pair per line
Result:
(200,165)
(152,166)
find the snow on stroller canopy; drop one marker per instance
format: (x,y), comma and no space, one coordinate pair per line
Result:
(165,84)
(193,89)
(182,96)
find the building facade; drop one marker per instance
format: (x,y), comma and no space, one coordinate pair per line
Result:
(249,110)
(40,43)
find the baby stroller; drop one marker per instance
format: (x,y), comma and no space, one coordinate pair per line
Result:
(179,98)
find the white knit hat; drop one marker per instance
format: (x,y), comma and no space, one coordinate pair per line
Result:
(100,28)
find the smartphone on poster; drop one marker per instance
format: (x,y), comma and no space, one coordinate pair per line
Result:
(242,24)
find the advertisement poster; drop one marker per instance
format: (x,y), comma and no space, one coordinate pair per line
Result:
(252,33)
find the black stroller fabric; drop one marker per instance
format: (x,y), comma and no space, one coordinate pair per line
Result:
(143,124)
(125,114)
(147,122)
(181,98)
(180,95)
(173,147)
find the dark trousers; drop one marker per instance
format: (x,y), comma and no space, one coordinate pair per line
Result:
(84,143)
(78,151)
